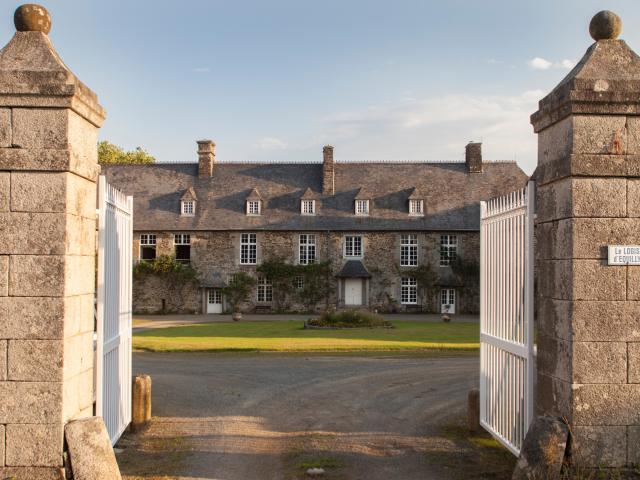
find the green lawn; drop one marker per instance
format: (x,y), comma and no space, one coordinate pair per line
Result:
(289,336)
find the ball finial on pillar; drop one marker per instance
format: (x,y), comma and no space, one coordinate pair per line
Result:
(32,18)
(605,25)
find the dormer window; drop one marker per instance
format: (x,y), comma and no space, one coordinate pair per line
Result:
(254,207)
(188,208)
(416,207)
(308,207)
(362,207)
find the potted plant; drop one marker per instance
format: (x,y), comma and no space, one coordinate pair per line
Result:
(445,314)
(238,291)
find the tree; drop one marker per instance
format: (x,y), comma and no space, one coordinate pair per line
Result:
(317,283)
(108,153)
(279,273)
(426,278)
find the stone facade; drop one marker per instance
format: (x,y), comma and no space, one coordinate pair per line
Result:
(588,316)
(48,170)
(218,253)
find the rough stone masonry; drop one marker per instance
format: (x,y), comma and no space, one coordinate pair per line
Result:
(48,170)
(588,180)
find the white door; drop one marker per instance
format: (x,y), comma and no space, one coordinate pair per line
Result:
(448,300)
(214,301)
(353,291)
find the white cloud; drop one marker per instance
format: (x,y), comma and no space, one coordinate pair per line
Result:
(271,143)
(202,69)
(437,128)
(539,63)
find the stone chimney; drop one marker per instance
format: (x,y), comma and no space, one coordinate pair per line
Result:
(473,157)
(328,171)
(206,158)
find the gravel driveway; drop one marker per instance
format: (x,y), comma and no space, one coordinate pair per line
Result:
(267,416)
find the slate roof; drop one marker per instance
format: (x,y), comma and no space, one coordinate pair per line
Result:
(354,269)
(451,195)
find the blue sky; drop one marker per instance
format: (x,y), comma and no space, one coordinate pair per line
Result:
(276,80)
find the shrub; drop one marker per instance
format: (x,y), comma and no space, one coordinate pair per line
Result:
(239,289)
(350,319)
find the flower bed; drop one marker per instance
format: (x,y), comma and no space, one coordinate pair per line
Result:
(348,319)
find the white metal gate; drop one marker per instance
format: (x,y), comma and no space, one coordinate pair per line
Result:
(507,357)
(113,351)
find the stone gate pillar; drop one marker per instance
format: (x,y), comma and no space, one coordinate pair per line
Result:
(48,170)
(588,312)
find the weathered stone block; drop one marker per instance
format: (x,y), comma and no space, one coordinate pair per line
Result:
(3,363)
(90,450)
(599,197)
(32,317)
(35,360)
(78,394)
(79,275)
(596,446)
(606,404)
(4,275)
(591,236)
(600,134)
(78,354)
(582,197)
(554,357)
(633,440)
(633,282)
(78,315)
(603,321)
(38,192)
(554,318)
(543,451)
(81,196)
(32,473)
(633,197)
(30,402)
(33,233)
(5,128)
(599,362)
(554,143)
(40,128)
(83,138)
(594,280)
(633,135)
(5,191)
(634,363)
(34,445)
(553,397)
(38,275)
(81,236)
(2,437)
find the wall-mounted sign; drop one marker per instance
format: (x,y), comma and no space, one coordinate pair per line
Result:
(624,254)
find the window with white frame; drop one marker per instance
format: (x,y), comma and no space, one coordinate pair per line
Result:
(298,282)
(409,250)
(353,246)
(362,207)
(254,207)
(307,249)
(148,247)
(188,208)
(448,249)
(182,244)
(265,290)
(409,291)
(248,249)
(416,207)
(308,207)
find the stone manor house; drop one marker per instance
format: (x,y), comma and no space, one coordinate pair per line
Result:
(374,222)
